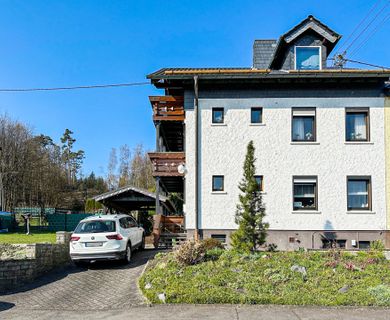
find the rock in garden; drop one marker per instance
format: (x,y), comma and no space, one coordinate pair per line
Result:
(299,269)
(344,289)
(148,286)
(161,296)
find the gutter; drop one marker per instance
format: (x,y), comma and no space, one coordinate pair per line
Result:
(196,107)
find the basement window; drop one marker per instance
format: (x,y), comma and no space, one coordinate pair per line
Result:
(307,58)
(220,237)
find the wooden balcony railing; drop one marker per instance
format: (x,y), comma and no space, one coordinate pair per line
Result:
(165,164)
(169,108)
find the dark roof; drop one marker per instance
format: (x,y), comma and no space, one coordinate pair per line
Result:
(250,73)
(310,23)
(131,198)
(263,51)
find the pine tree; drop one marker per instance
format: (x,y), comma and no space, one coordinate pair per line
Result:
(250,212)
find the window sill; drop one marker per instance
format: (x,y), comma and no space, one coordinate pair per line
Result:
(218,124)
(304,142)
(358,142)
(306,212)
(360,212)
(218,192)
(257,124)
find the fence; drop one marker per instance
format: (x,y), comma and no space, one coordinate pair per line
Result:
(65,222)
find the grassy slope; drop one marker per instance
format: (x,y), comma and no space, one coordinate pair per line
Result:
(23,238)
(235,278)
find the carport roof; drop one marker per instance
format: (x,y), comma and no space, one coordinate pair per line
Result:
(131,198)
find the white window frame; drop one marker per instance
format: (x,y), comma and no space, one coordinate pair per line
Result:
(295,57)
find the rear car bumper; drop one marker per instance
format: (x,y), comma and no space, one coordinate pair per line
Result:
(98,256)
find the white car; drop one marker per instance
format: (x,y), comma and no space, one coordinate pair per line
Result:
(106,237)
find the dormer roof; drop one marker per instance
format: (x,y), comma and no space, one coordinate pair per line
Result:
(310,24)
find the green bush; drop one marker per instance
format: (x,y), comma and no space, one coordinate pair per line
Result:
(377,245)
(214,254)
(381,294)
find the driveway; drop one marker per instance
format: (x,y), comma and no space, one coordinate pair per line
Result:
(102,286)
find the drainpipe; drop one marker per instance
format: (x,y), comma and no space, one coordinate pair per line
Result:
(196,105)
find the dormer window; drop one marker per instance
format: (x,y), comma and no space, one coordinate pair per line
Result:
(307,58)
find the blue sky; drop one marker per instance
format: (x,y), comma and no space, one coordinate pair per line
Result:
(65,43)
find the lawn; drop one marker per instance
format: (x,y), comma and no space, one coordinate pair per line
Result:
(35,237)
(332,278)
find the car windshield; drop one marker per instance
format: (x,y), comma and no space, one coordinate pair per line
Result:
(96,226)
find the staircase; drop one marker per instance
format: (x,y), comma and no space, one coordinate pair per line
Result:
(169,240)
(168,231)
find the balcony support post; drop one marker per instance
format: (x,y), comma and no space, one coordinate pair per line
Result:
(158,208)
(158,140)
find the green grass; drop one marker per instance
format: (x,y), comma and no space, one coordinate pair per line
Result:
(35,237)
(266,278)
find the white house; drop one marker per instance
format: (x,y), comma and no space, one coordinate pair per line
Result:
(322,139)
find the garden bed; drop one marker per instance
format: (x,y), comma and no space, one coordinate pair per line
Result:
(331,278)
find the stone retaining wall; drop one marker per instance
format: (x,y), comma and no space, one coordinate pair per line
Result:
(22,263)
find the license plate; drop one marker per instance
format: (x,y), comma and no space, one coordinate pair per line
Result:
(93,244)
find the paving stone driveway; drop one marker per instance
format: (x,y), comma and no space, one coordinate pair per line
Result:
(104,285)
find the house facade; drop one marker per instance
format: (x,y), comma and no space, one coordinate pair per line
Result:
(322,139)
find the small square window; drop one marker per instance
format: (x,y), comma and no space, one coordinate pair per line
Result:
(307,58)
(217,183)
(305,193)
(356,122)
(218,115)
(259,182)
(359,193)
(303,124)
(256,115)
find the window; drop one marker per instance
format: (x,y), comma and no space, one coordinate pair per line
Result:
(359,193)
(259,181)
(220,237)
(364,244)
(131,222)
(303,124)
(256,115)
(305,193)
(217,115)
(333,243)
(307,58)
(217,183)
(96,226)
(357,124)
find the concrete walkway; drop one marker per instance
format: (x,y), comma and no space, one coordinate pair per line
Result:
(217,312)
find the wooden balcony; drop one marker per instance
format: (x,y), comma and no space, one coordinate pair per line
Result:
(167,108)
(165,164)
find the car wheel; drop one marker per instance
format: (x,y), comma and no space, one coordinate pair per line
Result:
(142,247)
(128,253)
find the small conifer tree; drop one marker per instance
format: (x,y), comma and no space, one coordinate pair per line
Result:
(250,212)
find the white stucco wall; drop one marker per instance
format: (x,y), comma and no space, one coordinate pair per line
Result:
(223,150)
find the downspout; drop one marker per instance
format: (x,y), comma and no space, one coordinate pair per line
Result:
(196,105)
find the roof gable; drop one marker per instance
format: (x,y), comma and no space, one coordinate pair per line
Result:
(308,25)
(311,23)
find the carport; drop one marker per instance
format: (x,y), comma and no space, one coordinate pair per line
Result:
(129,198)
